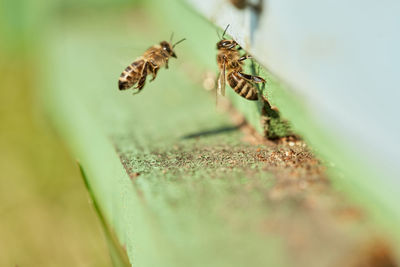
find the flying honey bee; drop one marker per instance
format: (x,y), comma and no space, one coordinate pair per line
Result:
(230,64)
(150,62)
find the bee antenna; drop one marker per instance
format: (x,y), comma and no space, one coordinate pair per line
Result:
(227,26)
(172,36)
(180,41)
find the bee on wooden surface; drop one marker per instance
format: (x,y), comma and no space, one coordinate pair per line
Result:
(150,62)
(230,64)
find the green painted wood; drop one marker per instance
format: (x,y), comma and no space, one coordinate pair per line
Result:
(118,254)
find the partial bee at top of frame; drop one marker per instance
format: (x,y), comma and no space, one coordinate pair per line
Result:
(150,62)
(230,64)
(242,4)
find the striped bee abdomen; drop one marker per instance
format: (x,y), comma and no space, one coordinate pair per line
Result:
(131,74)
(241,86)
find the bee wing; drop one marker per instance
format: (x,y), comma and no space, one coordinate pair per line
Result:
(221,80)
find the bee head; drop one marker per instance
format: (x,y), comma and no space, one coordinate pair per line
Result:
(226,44)
(169,48)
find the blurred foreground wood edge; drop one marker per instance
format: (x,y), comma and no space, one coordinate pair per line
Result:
(118,254)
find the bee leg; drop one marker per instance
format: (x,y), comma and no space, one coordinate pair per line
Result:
(244,57)
(142,81)
(251,78)
(154,74)
(166,64)
(153,69)
(140,85)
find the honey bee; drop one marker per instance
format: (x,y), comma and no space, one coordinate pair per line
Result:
(230,64)
(150,62)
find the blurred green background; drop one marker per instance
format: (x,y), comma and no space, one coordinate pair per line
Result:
(46,217)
